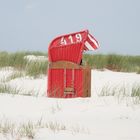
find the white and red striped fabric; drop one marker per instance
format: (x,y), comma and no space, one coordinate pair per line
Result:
(91,43)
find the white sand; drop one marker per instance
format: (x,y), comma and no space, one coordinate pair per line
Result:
(99,118)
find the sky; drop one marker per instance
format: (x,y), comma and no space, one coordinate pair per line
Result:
(30,25)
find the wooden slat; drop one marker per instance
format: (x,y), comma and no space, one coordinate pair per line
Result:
(64,65)
(69,89)
(87,82)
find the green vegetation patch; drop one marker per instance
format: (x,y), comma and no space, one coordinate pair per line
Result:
(114,62)
(17,60)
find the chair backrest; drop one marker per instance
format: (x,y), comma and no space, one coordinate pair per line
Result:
(70,47)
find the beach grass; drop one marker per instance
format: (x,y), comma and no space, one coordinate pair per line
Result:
(123,63)
(114,62)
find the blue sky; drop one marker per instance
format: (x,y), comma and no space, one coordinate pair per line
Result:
(30,25)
